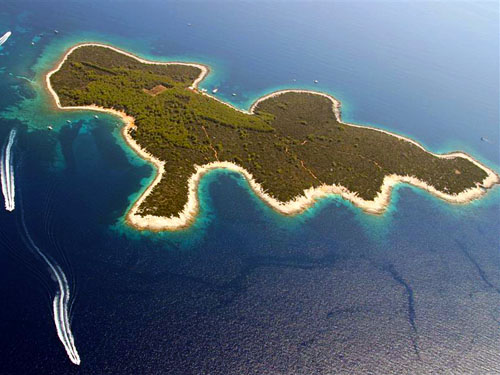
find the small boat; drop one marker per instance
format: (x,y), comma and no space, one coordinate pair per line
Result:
(204,90)
(50,127)
(96,117)
(214,91)
(316,81)
(56,32)
(294,80)
(234,94)
(189,24)
(4,38)
(484,139)
(32,43)
(68,121)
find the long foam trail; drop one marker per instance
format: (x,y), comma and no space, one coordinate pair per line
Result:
(60,303)
(7,173)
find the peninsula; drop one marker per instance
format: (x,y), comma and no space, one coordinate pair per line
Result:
(291,146)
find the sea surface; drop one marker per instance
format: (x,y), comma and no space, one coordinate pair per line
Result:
(245,290)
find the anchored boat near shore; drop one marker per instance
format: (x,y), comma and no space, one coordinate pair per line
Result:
(4,38)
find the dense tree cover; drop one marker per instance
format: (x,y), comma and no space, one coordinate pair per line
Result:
(292,142)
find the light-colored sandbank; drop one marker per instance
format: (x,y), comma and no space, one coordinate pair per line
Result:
(292,207)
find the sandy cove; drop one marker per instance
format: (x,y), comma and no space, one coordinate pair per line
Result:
(292,207)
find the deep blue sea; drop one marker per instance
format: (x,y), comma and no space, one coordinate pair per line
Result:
(245,290)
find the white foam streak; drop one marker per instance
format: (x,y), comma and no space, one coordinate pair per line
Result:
(4,38)
(7,173)
(60,303)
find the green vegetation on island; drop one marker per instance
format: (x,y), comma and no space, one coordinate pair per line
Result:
(292,142)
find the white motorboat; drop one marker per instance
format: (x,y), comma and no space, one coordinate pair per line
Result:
(4,38)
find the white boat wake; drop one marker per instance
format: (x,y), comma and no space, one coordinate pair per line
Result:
(7,173)
(4,38)
(61,300)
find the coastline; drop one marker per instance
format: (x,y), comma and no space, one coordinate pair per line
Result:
(295,206)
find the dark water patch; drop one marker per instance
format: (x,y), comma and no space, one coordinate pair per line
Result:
(411,303)
(482,274)
(133,258)
(334,314)
(251,264)
(103,136)
(67,136)
(40,147)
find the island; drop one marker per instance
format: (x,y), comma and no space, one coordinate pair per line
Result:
(291,146)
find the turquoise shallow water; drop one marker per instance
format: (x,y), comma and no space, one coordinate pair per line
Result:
(246,290)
